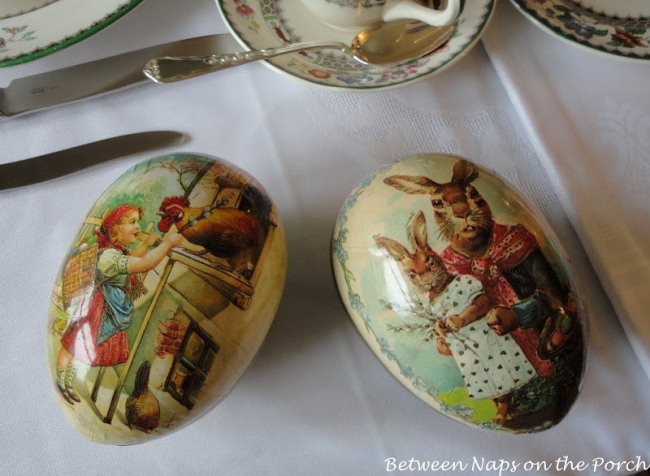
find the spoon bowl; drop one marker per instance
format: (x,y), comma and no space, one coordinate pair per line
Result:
(385,44)
(399,41)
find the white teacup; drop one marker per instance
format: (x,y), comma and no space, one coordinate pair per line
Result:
(350,14)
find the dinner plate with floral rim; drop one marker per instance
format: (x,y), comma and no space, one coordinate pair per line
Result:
(619,29)
(31,29)
(261,24)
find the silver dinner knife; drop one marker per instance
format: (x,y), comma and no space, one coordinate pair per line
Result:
(63,162)
(101,76)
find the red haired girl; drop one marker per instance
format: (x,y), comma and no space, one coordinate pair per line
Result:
(99,338)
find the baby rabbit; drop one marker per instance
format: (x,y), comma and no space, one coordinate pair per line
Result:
(491,365)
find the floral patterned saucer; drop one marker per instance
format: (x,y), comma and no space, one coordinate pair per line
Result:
(265,23)
(620,29)
(31,29)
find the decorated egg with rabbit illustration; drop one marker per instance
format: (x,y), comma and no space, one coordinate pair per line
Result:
(464,293)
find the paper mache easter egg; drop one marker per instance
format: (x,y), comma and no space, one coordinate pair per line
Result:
(164,297)
(463,291)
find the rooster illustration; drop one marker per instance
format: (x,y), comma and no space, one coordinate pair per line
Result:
(142,409)
(233,234)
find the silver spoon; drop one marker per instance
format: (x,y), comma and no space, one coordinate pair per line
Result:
(388,43)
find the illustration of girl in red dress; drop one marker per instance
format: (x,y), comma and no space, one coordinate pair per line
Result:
(99,338)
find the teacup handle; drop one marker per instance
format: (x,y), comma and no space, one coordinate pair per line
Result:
(404,9)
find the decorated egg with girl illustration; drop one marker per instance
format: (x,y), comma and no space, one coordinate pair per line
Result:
(164,297)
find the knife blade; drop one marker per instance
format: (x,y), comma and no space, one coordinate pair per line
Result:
(50,166)
(100,76)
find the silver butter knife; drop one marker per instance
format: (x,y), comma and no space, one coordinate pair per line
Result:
(57,164)
(101,76)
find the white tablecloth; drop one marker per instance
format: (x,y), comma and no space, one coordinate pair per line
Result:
(567,127)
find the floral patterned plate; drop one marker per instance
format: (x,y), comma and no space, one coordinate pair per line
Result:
(264,23)
(31,29)
(619,29)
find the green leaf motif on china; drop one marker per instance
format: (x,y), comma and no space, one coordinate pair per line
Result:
(13,31)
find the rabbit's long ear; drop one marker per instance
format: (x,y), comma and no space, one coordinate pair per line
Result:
(395,249)
(418,233)
(412,184)
(464,172)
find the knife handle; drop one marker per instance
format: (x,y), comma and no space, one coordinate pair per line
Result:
(169,69)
